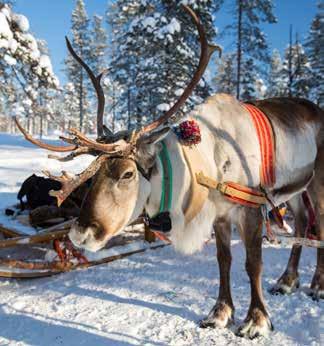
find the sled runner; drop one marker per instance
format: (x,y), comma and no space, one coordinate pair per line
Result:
(49,252)
(37,269)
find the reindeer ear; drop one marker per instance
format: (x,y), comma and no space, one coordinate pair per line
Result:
(147,151)
(154,137)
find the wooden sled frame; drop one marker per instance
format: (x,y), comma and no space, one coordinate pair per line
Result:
(19,269)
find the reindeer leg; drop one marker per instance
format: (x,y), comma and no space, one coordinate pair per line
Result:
(257,321)
(222,313)
(289,280)
(317,285)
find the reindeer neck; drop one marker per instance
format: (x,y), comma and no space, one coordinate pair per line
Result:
(168,179)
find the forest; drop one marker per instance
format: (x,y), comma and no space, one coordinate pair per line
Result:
(147,51)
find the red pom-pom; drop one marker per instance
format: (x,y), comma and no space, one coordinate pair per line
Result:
(189,133)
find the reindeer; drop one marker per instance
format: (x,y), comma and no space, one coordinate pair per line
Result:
(127,180)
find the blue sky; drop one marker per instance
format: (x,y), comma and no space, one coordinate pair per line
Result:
(50,20)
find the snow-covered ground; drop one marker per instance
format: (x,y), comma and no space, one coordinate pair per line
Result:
(155,298)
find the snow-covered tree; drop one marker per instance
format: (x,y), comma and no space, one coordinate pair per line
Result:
(225,79)
(250,41)
(157,52)
(98,61)
(315,51)
(297,71)
(277,81)
(75,73)
(70,106)
(248,81)
(98,45)
(24,67)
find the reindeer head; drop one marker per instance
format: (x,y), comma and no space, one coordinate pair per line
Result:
(121,170)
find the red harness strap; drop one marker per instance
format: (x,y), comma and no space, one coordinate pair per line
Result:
(244,195)
(267,145)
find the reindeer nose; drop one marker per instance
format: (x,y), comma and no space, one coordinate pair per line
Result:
(97,231)
(78,234)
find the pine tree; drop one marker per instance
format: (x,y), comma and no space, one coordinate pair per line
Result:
(75,73)
(248,82)
(25,67)
(315,50)
(98,60)
(250,40)
(70,106)
(117,17)
(277,81)
(225,79)
(98,45)
(157,54)
(297,71)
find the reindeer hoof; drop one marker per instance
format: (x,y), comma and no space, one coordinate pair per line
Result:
(316,293)
(287,284)
(317,287)
(220,316)
(255,325)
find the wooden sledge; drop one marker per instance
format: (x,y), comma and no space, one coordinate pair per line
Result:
(11,266)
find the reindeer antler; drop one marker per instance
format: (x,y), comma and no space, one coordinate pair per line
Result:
(41,144)
(206,52)
(71,182)
(96,82)
(114,144)
(75,153)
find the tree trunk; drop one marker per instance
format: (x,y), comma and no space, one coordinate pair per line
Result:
(81,100)
(128,109)
(290,73)
(113,109)
(41,115)
(239,49)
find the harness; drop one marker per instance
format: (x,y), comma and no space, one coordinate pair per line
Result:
(200,184)
(240,194)
(198,193)
(236,193)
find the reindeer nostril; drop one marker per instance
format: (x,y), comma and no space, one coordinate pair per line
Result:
(98,232)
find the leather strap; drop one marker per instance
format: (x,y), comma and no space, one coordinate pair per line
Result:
(198,192)
(234,192)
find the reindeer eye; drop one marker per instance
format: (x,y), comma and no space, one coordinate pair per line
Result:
(127,175)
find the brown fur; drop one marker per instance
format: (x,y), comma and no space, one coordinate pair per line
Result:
(223,311)
(293,113)
(108,178)
(289,280)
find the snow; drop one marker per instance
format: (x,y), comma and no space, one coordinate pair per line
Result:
(163,107)
(21,21)
(149,21)
(153,298)
(45,62)
(5,31)
(179,92)
(10,60)
(19,47)
(173,27)
(13,45)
